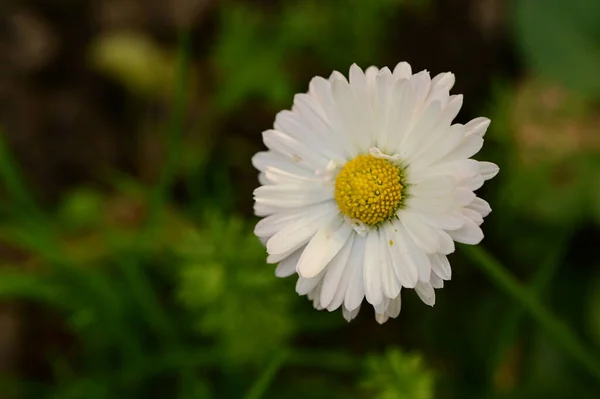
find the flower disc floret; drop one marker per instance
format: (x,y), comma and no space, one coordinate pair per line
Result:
(369,189)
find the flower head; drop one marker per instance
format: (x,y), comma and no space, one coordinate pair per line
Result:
(366,186)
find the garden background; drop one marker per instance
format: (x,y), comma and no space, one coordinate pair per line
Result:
(128,266)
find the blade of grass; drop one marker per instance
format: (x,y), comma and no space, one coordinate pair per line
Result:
(509,327)
(562,335)
(21,199)
(147,300)
(262,384)
(132,269)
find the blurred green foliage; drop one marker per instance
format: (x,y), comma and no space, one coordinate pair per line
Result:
(561,39)
(158,296)
(271,45)
(226,284)
(397,375)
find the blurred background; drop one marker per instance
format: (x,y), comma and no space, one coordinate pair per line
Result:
(128,267)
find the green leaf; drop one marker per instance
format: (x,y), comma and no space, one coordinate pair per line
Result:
(397,375)
(561,40)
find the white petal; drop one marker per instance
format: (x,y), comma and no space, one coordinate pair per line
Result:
(475,183)
(422,84)
(426,292)
(372,272)
(287,267)
(371,77)
(415,255)
(298,232)
(323,246)
(297,151)
(435,186)
(293,195)
(394,307)
(469,147)
(391,285)
(382,306)
(481,206)
(306,285)
(335,282)
(441,266)
(352,116)
(335,129)
(433,205)
(422,234)
(488,170)
(335,75)
(356,291)
(402,105)
(381,317)
(358,82)
(436,281)
(331,142)
(313,294)
(271,224)
(276,258)
(404,268)
(470,233)
(438,137)
(463,196)
(414,138)
(281,176)
(265,159)
(439,146)
(446,243)
(477,126)
(382,106)
(445,80)
(441,220)
(349,315)
(402,70)
(472,215)
(262,179)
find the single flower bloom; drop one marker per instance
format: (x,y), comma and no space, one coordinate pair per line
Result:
(366,186)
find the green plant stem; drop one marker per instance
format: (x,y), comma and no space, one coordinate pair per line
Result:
(150,305)
(554,327)
(261,385)
(509,327)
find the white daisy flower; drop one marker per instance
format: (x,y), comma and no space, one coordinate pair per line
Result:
(366,186)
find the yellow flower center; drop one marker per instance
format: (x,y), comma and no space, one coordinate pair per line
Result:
(369,189)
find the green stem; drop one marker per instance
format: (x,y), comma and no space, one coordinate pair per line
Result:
(261,385)
(149,303)
(541,279)
(554,327)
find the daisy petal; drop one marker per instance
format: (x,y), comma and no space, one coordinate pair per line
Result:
(323,246)
(470,233)
(372,270)
(356,290)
